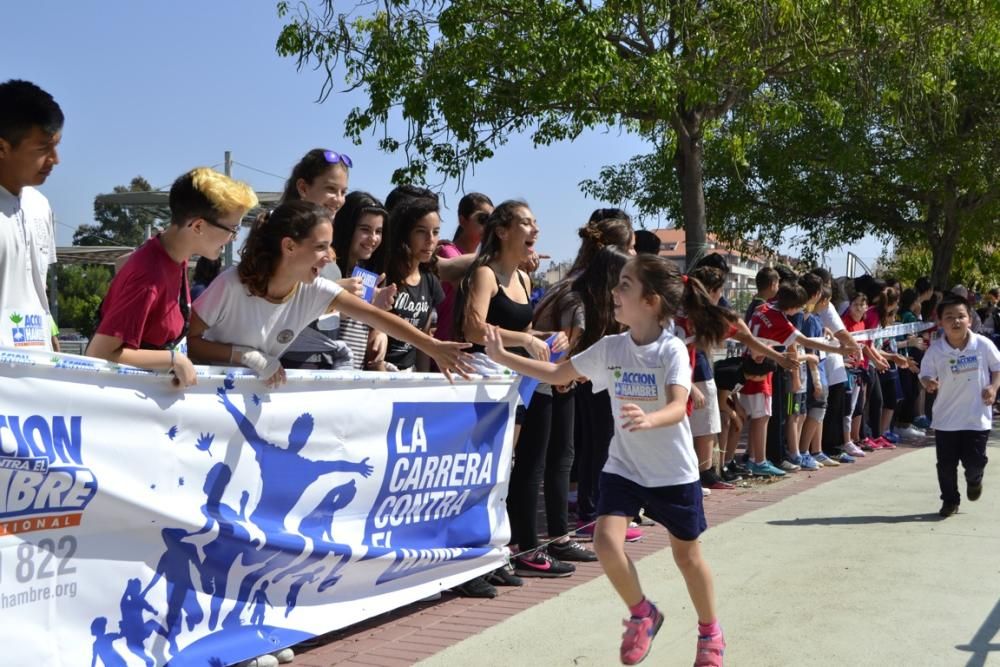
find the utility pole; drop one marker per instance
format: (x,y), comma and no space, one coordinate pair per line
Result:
(228,254)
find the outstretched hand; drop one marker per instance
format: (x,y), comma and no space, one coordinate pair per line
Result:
(633,418)
(450,358)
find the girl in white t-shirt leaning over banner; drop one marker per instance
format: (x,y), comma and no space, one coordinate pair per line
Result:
(251,313)
(651,463)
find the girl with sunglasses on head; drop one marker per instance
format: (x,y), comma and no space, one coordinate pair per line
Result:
(144,318)
(251,313)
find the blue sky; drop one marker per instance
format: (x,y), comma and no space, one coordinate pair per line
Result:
(156,88)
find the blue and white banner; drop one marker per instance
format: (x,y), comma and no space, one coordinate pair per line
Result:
(140,524)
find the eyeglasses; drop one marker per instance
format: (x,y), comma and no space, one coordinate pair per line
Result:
(333,157)
(233,231)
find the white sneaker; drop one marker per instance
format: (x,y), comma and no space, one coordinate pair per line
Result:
(261,661)
(853,450)
(910,432)
(705,492)
(788,466)
(284,656)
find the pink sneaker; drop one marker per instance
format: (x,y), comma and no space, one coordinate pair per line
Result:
(853,450)
(885,443)
(638,637)
(870,445)
(587,533)
(710,651)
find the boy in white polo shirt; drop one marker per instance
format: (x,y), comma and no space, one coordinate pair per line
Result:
(963,368)
(30,129)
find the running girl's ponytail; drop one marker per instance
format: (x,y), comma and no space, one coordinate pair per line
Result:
(660,278)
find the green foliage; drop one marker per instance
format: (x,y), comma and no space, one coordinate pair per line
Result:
(120,225)
(80,291)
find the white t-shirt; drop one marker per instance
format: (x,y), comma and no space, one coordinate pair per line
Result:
(27,247)
(836,372)
(962,374)
(234,316)
(640,374)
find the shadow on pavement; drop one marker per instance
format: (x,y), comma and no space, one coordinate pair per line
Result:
(857,520)
(980,646)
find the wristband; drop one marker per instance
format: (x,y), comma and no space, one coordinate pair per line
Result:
(237,352)
(261,364)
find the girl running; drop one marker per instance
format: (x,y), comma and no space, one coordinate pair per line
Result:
(651,463)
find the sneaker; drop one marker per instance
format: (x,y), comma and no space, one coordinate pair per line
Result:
(974,491)
(825,460)
(284,656)
(638,637)
(730,476)
(504,576)
(845,458)
(947,510)
(572,551)
(869,445)
(765,469)
(789,466)
(260,661)
(911,432)
(710,651)
(632,534)
(537,563)
(853,450)
(807,462)
(891,437)
(922,422)
(884,443)
(711,480)
(644,520)
(705,493)
(738,468)
(476,588)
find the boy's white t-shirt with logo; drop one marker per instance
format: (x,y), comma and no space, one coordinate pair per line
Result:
(234,316)
(27,247)
(640,374)
(962,374)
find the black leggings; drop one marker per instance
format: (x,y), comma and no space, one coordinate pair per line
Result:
(544,450)
(833,422)
(595,427)
(873,407)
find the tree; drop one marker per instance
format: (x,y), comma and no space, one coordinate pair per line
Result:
(901,142)
(81,289)
(466,74)
(120,225)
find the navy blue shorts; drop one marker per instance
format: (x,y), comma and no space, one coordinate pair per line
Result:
(678,508)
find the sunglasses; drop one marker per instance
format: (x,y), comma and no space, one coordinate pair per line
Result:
(333,157)
(233,231)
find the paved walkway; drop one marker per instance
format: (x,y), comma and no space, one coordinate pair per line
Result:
(848,566)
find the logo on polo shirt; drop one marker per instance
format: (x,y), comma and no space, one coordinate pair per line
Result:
(28,330)
(634,385)
(285,336)
(964,363)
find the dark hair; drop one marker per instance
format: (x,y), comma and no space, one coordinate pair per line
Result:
(468,205)
(609,214)
(710,276)
(188,202)
(790,296)
(824,274)
(885,300)
(660,277)
(950,300)
(400,193)
(23,105)
(929,305)
(786,274)
(398,254)
(502,217)
(908,298)
(206,270)
(600,233)
(356,205)
(870,285)
(594,289)
(647,242)
(715,260)
(811,283)
(312,165)
(923,284)
(261,253)
(825,293)
(765,278)
(751,366)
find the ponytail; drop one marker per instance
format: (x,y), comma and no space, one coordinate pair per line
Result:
(710,321)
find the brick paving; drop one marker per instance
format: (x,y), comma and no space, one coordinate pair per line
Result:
(406,636)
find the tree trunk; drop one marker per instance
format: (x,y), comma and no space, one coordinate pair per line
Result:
(688,164)
(943,246)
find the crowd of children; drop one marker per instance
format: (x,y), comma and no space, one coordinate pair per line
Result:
(335,279)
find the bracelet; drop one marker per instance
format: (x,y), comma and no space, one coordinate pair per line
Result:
(173,352)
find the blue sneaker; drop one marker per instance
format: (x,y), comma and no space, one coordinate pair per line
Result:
(764,469)
(922,422)
(807,462)
(891,437)
(846,458)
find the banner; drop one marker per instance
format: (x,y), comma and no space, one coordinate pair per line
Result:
(141,524)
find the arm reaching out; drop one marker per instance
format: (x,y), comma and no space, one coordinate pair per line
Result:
(545,371)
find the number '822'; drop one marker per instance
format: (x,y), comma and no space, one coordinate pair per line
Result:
(40,560)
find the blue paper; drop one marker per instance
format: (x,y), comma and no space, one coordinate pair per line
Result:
(527,386)
(369,280)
